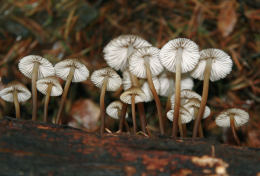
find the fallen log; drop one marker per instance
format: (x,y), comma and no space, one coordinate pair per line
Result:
(35,148)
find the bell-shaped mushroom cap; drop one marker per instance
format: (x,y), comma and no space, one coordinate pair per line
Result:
(190,54)
(114,81)
(137,92)
(241,117)
(188,98)
(113,109)
(62,69)
(23,94)
(191,110)
(221,64)
(185,115)
(147,91)
(42,86)
(167,84)
(26,65)
(127,83)
(142,56)
(118,50)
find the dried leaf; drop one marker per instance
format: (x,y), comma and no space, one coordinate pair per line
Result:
(227,17)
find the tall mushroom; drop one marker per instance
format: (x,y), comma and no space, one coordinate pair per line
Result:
(145,63)
(233,118)
(179,55)
(15,92)
(49,86)
(132,96)
(214,64)
(35,67)
(71,70)
(114,110)
(107,80)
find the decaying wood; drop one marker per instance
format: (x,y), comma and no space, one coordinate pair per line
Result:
(34,148)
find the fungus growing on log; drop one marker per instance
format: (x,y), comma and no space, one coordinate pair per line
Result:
(15,92)
(179,55)
(214,64)
(35,67)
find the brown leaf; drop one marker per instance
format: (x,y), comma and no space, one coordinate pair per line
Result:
(85,115)
(227,17)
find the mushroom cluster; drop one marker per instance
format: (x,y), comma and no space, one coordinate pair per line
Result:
(148,73)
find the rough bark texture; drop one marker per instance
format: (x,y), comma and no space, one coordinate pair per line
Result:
(33,148)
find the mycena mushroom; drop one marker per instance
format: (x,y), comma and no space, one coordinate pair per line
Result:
(233,118)
(35,67)
(145,63)
(179,55)
(15,92)
(214,64)
(70,70)
(49,86)
(107,80)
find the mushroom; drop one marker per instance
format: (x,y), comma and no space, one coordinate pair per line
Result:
(192,104)
(118,50)
(185,117)
(179,55)
(114,110)
(145,63)
(214,64)
(49,86)
(132,96)
(15,92)
(107,80)
(35,67)
(71,70)
(233,118)
(130,80)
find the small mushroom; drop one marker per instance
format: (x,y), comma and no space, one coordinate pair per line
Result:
(145,63)
(71,70)
(49,86)
(185,117)
(180,55)
(35,67)
(132,96)
(214,64)
(233,118)
(118,50)
(107,80)
(15,92)
(114,110)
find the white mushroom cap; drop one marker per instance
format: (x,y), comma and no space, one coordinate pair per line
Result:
(188,98)
(23,94)
(127,83)
(166,85)
(221,64)
(118,50)
(42,86)
(185,115)
(62,69)
(141,56)
(113,109)
(190,55)
(241,117)
(114,81)
(26,64)
(147,91)
(191,110)
(137,92)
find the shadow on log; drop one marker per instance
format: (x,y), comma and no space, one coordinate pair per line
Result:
(34,148)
